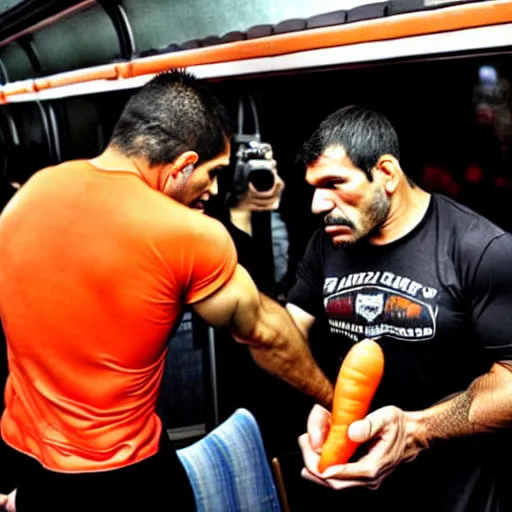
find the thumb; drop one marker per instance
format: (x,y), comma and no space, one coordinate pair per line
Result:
(3,500)
(363,430)
(360,431)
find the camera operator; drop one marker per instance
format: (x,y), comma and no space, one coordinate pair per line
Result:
(253,200)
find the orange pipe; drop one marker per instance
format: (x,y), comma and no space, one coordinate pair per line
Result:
(393,27)
(425,22)
(105,72)
(21,87)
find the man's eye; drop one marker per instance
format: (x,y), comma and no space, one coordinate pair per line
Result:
(332,185)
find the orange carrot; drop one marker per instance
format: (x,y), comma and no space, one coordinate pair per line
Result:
(357,382)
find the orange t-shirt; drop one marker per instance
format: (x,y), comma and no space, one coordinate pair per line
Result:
(95,267)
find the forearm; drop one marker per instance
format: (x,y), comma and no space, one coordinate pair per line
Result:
(278,347)
(484,407)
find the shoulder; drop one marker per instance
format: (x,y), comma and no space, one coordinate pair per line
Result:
(63,167)
(191,228)
(465,237)
(468,229)
(465,219)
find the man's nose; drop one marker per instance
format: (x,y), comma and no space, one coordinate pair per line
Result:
(322,201)
(214,188)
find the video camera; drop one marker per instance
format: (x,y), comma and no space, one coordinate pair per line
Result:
(255,163)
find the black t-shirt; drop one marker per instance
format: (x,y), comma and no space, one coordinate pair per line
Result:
(439,301)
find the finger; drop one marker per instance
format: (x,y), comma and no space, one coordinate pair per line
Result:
(3,500)
(273,192)
(311,458)
(279,183)
(333,483)
(318,425)
(363,430)
(267,203)
(338,485)
(312,478)
(11,502)
(365,469)
(368,483)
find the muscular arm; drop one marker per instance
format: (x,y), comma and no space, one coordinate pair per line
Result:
(484,407)
(275,342)
(487,404)
(304,321)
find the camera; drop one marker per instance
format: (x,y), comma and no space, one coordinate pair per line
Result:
(255,165)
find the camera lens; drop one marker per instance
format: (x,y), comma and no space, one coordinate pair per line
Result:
(261,179)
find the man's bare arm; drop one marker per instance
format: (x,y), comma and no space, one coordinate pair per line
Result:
(275,342)
(303,320)
(485,406)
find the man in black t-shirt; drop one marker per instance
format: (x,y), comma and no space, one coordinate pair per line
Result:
(431,282)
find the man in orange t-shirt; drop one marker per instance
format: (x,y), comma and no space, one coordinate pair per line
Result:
(97,260)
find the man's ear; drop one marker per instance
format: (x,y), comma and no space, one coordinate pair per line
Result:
(389,169)
(184,164)
(187,171)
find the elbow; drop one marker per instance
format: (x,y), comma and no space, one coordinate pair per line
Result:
(264,328)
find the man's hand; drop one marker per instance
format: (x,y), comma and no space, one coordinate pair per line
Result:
(262,201)
(7,502)
(389,434)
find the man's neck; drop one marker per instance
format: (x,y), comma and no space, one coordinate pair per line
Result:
(113,160)
(408,207)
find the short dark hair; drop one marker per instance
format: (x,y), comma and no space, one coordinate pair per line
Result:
(365,135)
(173,113)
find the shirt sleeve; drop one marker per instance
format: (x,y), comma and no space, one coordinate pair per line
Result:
(208,261)
(492,298)
(307,290)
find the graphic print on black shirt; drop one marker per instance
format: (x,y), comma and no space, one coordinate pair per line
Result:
(374,303)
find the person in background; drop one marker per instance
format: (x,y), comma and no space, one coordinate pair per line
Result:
(431,281)
(244,214)
(98,258)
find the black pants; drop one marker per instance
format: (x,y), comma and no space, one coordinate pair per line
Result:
(156,484)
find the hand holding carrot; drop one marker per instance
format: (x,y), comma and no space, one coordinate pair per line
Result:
(332,440)
(391,431)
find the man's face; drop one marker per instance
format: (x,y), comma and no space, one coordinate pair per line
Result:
(200,184)
(353,206)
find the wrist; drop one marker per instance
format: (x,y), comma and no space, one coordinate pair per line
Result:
(418,434)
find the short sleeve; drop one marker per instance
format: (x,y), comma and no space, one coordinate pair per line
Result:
(307,290)
(492,298)
(209,259)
